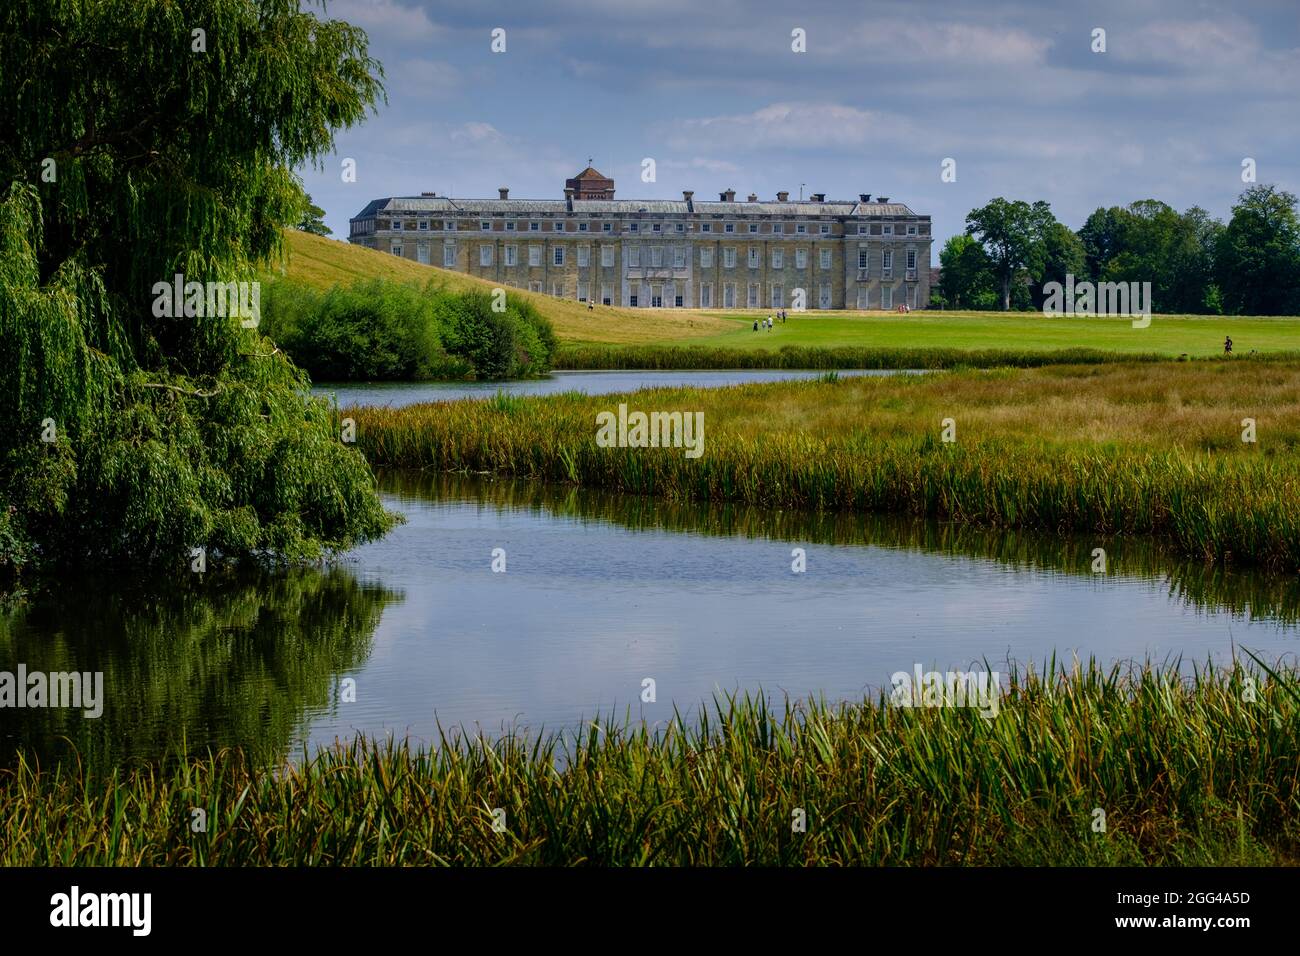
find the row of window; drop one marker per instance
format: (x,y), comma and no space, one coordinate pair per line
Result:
(800,229)
(654,295)
(656,257)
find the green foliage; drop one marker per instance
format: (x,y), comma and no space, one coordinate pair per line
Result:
(378,330)
(130,157)
(1187,774)
(966,278)
(1007,230)
(1258,254)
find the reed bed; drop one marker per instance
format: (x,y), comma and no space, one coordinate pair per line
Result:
(1109,449)
(1202,769)
(669,357)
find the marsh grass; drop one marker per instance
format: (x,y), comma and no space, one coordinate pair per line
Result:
(701,357)
(1201,769)
(1152,449)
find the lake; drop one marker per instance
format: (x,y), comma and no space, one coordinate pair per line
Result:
(599,593)
(397,394)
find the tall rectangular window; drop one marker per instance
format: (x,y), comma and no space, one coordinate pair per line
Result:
(751,300)
(606,294)
(679,257)
(864,257)
(706,258)
(825,258)
(911,258)
(535,256)
(656,257)
(801,258)
(887,259)
(510,255)
(634,256)
(449,255)
(728,258)
(606,255)
(584,256)
(777,296)
(559,255)
(422,253)
(729,295)
(706,296)
(753,257)
(778,258)
(886,296)
(485,255)
(864,297)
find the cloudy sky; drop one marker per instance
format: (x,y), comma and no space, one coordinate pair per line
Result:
(713,92)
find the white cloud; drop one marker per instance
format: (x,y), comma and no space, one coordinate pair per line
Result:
(791,126)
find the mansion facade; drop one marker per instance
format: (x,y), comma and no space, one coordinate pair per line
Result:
(729,254)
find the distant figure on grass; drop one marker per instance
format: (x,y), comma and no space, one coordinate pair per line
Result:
(756,325)
(1227,345)
(591,305)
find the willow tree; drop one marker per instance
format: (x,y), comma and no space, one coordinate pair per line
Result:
(144,140)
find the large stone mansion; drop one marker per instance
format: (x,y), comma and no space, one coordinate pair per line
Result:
(658,253)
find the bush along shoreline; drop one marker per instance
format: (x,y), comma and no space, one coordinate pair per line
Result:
(1131,765)
(1106,459)
(379,330)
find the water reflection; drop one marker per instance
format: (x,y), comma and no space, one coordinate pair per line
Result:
(229,659)
(1242,593)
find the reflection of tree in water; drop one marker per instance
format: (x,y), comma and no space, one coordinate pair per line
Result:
(234,659)
(1204,587)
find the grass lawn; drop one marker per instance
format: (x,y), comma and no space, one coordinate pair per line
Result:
(1022,331)
(323,262)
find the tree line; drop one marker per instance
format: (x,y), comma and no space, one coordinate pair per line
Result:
(1195,263)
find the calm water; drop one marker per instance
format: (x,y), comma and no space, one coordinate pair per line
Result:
(397,394)
(600,592)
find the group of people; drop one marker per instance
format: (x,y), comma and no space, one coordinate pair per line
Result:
(767,323)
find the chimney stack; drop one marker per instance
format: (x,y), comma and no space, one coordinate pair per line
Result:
(882,199)
(568,198)
(783,197)
(753,197)
(504,191)
(864,197)
(817,197)
(428,194)
(689,196)
(727,196)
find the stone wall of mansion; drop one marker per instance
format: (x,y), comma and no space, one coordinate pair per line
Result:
(729,254)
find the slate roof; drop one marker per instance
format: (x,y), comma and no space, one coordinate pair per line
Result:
(524,207)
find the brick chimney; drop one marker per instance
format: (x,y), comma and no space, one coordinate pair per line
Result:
(864,197)
(727,196)
(689,196)
(753,197)
(504,192)
(568,198)
(428,194)
(783,197)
